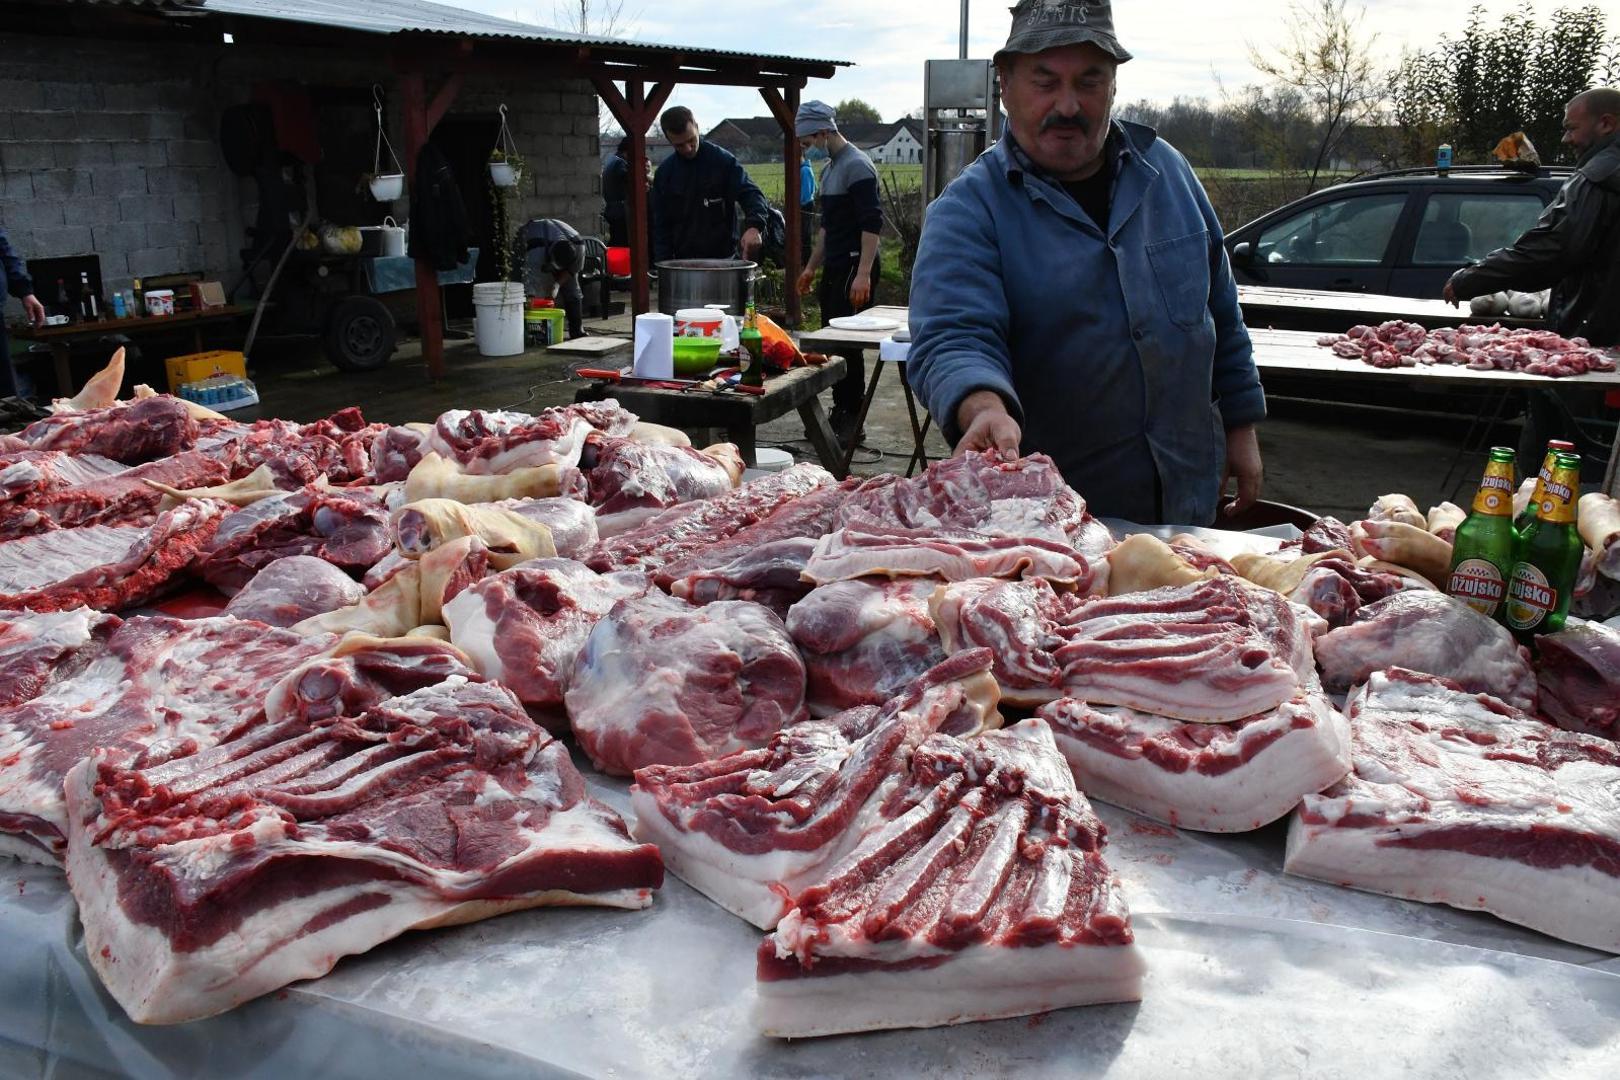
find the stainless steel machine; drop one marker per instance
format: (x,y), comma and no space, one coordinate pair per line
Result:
(962,108)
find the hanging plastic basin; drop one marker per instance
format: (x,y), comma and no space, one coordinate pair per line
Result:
(501,174)
(498,318)
(388,188)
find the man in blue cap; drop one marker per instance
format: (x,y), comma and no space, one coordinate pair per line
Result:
(1072,295)
(846,250)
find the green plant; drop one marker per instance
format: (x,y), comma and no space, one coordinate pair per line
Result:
(502,233)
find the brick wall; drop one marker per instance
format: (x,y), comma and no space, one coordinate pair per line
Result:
(112,148)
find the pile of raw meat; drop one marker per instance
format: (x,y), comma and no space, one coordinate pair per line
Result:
(275,693)
(1479,348)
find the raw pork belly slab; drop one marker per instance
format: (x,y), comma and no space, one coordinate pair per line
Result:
(347,528)
(983,895)
(106,567)
(624,475)
(1210,777)
(39,648)
(122,498)
(954,555)
(28,473)
(205,879)
(1426,631)
(864,640)
(524,627)
(763,562)
(660,682)
(293,589)
(1579,678)
(681,531)
(1455,798)
(1018,621)
(130,431)
(488,443)
(749,830)
(158,682)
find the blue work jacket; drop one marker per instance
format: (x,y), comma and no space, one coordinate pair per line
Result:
(1120,351)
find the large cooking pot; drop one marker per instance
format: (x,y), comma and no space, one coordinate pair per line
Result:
(695,283)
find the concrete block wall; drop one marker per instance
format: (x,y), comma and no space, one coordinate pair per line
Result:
(111,147)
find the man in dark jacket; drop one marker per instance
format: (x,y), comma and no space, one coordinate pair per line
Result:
(553,254)
(695,196)
(14,280)
(1575,248)
(616,195)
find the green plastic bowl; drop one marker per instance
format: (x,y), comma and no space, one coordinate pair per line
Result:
(696,355)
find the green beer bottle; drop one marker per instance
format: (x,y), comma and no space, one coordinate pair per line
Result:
(752,363)
(1554,448)
(1482,555)
(1549,558)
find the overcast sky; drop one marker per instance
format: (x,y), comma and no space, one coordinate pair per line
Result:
(1182,47)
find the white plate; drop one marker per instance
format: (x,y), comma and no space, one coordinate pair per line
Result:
(863,322)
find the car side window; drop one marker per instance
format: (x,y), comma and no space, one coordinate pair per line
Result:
(1463,227)
(1353,231)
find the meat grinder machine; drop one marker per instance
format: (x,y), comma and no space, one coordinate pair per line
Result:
(962,109)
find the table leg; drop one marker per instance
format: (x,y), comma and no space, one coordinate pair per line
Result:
(743,436)
(1490,412)
(919,432)
(64,370)
(860,418)
(822,437)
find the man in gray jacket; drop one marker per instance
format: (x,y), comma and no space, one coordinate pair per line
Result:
(1072,295)
(1575,248)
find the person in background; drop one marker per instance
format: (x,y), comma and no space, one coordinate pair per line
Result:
(1072,295)
(846,249)
(616,195)
(807,205)
(553,252)
(1574,249)
(14,280)
(696,194)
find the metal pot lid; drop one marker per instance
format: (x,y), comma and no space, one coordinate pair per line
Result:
(707,264)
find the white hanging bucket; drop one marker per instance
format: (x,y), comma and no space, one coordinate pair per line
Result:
(498,323)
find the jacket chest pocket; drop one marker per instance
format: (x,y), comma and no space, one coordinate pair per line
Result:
(1181,268)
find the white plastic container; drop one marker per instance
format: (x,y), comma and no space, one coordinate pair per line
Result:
(160,302)
(387,188)
(771,459)
(699,322)
(728,329)
(498,324)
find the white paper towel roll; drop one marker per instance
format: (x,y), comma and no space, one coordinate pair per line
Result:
(654,355)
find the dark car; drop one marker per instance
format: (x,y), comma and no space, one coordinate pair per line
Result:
(1399,233)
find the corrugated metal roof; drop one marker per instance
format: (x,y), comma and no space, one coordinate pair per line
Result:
(419,16)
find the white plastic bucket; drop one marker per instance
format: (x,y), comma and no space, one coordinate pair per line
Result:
(699,322)
(498,325)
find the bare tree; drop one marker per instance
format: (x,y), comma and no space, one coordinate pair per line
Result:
(601,18)
(1329,61)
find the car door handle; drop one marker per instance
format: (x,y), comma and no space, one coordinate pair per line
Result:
(1346,285)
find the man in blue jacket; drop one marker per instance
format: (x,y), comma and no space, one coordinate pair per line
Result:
(695,196)
(1071,293)
(14,280)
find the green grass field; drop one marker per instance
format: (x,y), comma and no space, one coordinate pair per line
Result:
(770,178)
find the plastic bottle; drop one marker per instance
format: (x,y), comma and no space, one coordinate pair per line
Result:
(119,311)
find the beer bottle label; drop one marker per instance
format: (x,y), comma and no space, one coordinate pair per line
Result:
(1558,500)
(1495,496)
(1480,585)
(1531,597)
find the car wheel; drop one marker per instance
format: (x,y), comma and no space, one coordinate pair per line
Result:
(360,334)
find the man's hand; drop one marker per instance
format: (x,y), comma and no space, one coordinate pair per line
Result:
(750,243)
(1242,464)
(807,281)
(34,310)
(986,425)
(860,290)
(1449,294)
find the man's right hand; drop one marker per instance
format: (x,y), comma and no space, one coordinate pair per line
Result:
(807,281)
(987,426)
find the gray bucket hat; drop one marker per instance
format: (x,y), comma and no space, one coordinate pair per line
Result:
(1039,25)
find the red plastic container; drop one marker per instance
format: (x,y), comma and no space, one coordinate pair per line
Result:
(618,261)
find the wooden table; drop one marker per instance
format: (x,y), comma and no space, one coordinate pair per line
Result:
(1293,352)
(739,414)
(1336,312)
(61,338)
(830,338)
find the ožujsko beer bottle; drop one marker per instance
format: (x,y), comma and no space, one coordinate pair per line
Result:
(1554,448)
(1483,552)
(1549,559)
(753,345)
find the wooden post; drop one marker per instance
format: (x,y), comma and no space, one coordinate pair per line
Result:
(420,119)
(785,107)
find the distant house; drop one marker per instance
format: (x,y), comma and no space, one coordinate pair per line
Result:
(758,139)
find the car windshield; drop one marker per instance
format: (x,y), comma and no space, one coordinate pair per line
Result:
(1353,231)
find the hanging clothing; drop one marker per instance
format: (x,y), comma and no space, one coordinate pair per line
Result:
(439,230)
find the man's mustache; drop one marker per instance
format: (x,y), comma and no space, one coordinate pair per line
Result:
(1077,122)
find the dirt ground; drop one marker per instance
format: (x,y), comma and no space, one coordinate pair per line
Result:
(1326,457)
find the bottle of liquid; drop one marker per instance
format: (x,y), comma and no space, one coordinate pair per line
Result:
(752,362)
(1525,521)
(87,299)
(1483,553)
(118,309)
(64,306)
(140,299)
(1549,559)
(1442,160)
